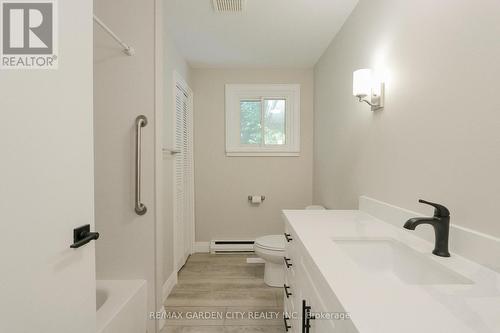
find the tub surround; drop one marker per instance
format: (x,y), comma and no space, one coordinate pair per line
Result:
(124,87)
(380,303)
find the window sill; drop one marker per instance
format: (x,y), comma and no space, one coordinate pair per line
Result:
(263,154)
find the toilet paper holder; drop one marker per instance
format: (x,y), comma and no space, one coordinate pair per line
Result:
(262,198)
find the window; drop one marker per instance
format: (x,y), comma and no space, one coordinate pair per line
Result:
(263,120)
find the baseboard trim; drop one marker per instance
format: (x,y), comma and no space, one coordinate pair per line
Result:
(166,290)
(202,247)
(169,285)
(162,321)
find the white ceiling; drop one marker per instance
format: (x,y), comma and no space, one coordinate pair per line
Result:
(269,33)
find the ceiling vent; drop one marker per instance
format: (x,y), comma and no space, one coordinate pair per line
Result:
(229,6)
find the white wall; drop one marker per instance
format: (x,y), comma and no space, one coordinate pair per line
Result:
(439,135)
(46,186)
(124,87)
(223,183)
(173,62)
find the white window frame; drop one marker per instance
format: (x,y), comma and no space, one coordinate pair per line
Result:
(238,92)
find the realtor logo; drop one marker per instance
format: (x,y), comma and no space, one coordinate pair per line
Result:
(28,34)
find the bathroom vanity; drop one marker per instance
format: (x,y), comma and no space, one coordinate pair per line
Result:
(306,292)
(348,271)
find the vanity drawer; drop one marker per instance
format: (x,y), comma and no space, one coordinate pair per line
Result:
(291,243)
(292,291)
(288,290)
(291,254)
(289,271)
(291,318)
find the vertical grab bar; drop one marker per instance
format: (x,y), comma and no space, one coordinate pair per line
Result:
(140,122)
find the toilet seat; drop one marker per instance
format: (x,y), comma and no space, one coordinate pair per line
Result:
(271,242)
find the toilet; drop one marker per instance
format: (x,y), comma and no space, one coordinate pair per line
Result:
(271,248)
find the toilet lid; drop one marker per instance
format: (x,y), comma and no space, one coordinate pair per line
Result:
(271,242)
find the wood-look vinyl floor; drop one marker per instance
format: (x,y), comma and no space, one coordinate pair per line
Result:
(224,294)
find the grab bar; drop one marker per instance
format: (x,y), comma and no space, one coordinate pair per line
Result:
(140,122)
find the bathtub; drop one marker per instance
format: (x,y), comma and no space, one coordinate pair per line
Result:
(121,306)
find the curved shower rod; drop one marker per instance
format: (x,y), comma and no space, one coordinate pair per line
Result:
(127,49)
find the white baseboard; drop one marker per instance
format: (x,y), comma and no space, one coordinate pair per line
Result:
(201,247)
(162,321)
(169,285)
(166,290)
(466,242)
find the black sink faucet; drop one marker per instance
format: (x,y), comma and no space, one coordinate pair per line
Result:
(441,223)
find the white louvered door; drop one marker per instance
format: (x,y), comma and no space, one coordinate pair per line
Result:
(184,175)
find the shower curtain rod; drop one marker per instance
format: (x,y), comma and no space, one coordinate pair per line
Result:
(127,49)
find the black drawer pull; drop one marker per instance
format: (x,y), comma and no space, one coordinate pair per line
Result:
(287,294)
(288,237)
(82,236)
(288,265)
(286,319)
(307,316)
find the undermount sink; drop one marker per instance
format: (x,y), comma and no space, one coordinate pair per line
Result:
(393,259)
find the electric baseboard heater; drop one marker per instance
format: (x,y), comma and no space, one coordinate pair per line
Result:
(231,246)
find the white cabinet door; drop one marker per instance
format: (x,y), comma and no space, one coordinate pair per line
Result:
(46,185)
(184,173)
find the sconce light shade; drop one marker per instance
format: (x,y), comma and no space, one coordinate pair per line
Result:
(362,83)
(367,89)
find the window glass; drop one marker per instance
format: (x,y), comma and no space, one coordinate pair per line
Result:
(262,120)
(250,122)
(274,122)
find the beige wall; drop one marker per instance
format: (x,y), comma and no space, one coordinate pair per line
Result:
(124,87)
(223,183)
(439,135)
(172,62)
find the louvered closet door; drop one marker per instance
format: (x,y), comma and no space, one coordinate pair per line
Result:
(184,179)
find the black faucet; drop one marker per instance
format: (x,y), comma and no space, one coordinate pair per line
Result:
(441,223)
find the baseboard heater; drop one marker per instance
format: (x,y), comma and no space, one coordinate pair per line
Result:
(231,246)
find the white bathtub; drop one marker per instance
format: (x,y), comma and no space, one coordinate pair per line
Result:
(121,306)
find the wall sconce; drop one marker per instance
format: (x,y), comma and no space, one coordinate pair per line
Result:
(368,89)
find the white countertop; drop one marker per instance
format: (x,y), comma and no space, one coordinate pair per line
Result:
(380,305)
